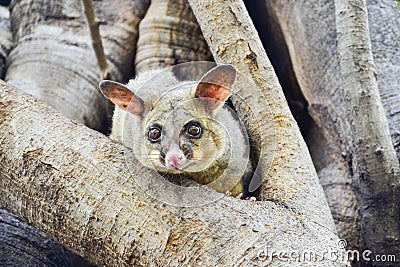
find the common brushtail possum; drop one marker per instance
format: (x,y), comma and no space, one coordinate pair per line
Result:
(183,127)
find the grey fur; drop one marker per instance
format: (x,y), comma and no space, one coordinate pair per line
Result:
(172,103)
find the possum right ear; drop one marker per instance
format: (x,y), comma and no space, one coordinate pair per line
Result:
(122,97)
(216,86)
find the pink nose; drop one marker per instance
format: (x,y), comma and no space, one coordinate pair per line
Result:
(174,161)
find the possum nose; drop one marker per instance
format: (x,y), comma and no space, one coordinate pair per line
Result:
(174,161)
(174,158)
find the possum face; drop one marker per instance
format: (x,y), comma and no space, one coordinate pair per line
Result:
(179,132)
(186,138)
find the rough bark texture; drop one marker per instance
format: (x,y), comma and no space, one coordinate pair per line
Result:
(375,165)
(72,183)
(63,70)
(274,44)
(23,245)
(169,35)
(312,46)
(384,23)
(5,38)
(289,176)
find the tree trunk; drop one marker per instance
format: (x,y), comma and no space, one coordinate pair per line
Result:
(93,212)
(311,42)
(5,39)
(385,32)
(375,165)
(289,177)
(72,183)
(169,35)
(63,70)
(23,245)
(66,42)
(313,51)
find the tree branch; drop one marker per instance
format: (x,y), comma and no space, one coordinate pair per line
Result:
(169,35)
(72,183)
(288,173)
(23,245)
(376,167)
(97,44)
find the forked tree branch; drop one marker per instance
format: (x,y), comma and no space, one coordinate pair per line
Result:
(72,183)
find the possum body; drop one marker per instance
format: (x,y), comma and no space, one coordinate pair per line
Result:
(183,127)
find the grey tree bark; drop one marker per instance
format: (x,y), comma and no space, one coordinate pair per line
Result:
(311,42)
(376,178)
(92,206)
(5,38)
(316,68)
(58,34)
(79,204)
(63,70)
(23,245)
(169,35)
(289,177)
(72,183)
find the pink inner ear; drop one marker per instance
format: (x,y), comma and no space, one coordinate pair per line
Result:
(216,86)
(118,96)
(122,97)
(212,95)
(123,100)
(214,91)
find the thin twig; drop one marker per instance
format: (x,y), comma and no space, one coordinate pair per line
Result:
(94,24)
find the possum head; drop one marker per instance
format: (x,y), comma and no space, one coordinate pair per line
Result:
(182,130)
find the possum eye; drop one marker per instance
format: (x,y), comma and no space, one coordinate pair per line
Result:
(194,130)
(154,134)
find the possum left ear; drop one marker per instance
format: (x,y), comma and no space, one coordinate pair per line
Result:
(122,97)
(215,86)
